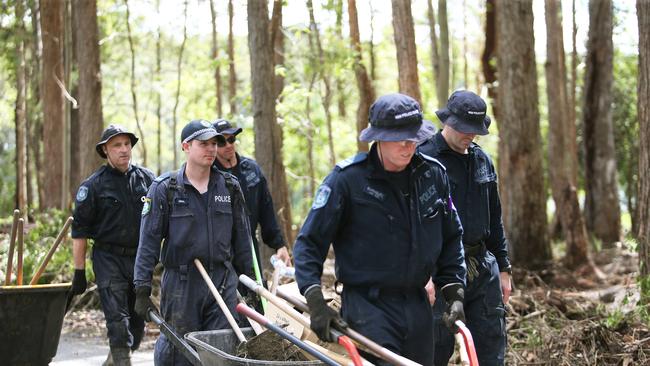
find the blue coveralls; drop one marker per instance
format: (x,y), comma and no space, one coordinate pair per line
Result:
(387,245)
(208,227)
(474,190)
(258,201)
(107,210)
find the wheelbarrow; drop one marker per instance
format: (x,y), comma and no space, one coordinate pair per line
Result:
(31,318)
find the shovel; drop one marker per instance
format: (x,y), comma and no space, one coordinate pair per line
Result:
(377,349)
(59,239)
(20,249)
(466,342)
(254,315)
(12,243)
(177,341)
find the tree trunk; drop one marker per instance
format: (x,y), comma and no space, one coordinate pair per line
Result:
(179,71)
(371,45)
(520,149)
(53,102)
(277,36)
(435,57)
(34,111)
(488,58)
(602,210)
(71,125)
(158,78)
(268,134)
(340,81)
(407,58)
(90,86)
(572,137)
(465,51)
(215,59)
(134,96)
(364,85)
(559,161)
(20,120)
(442,78)
(643,202)
(232,75)
(320,68)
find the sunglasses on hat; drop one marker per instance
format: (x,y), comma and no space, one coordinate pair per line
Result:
(221,142)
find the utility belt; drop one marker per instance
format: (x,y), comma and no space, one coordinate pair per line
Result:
(184,269)
(375,292)
(116,249)
(475,250)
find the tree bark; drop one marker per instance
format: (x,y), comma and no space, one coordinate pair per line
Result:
(435,57)
(232,74)
(559,159)
(90,86)
(340,81)
(320,68)
(19,112)
(371,45)
(179,72)
(215,59)
(158,78)
(268,134)
(277,36)
(602,210)
(34,111)
(488,58)
(520,149)
(53,102)
(364,85)
(643,203)
(134,96)
(407,58)
(572,137)
(442,78)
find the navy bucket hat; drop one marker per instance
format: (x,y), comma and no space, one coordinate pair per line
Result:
(110,132)
(466,113)
(396,117)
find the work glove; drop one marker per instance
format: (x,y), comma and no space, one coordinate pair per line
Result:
(79,283)
(454,295)
(323,318)
(143,302)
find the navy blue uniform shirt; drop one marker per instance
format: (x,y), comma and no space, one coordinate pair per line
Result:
(474,190)
(213,233)
(258,200)
(108,205)
(382,237)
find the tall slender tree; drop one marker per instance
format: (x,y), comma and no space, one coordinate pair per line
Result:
(407,58)
(643,203)
(158,78)
(488,58)
(520,150)
(277,35)
(232,74)
(564,191)
(215,58)
(268,134)
(364,85)
(134,93)
(179,72)
(442,78)
(20,119)
(340,81)
(53,102)
(90,85)
(435,57)
(602,209)
(34,111)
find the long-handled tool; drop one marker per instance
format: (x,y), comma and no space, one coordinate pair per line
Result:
(251,313)
(176,340)
(12,243)
(466,342)
(222,304)
(375,348)
(20,250)
(341,339)
(59,239)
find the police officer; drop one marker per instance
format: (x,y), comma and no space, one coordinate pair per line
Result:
(391,221)
(107,210)
(255,188)
(474,191)
(192,210)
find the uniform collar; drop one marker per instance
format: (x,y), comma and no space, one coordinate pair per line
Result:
(440,145)
(219,166)
(182,181)
(378,171)
(117,171)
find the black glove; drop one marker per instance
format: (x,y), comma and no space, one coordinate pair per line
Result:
(322,316)
(454,295)
(143,302)
(79,283)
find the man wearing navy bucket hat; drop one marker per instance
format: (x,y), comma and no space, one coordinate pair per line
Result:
(390,219)
(474,191)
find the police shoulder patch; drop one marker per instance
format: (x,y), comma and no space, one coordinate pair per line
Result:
(82,194)
(146,207)
(322,195)
(352,160)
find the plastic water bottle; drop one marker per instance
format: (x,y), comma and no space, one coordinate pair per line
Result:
(284,270)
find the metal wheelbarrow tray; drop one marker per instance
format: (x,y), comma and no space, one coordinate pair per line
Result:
(30,322)
(218,348)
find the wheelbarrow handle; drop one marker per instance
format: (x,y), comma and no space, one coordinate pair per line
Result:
(177,341)
(251,313)
(468,342)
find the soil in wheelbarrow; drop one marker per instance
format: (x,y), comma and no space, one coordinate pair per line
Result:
(269,346)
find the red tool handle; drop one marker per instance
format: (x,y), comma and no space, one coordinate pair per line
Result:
(469,342)
(346,342)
